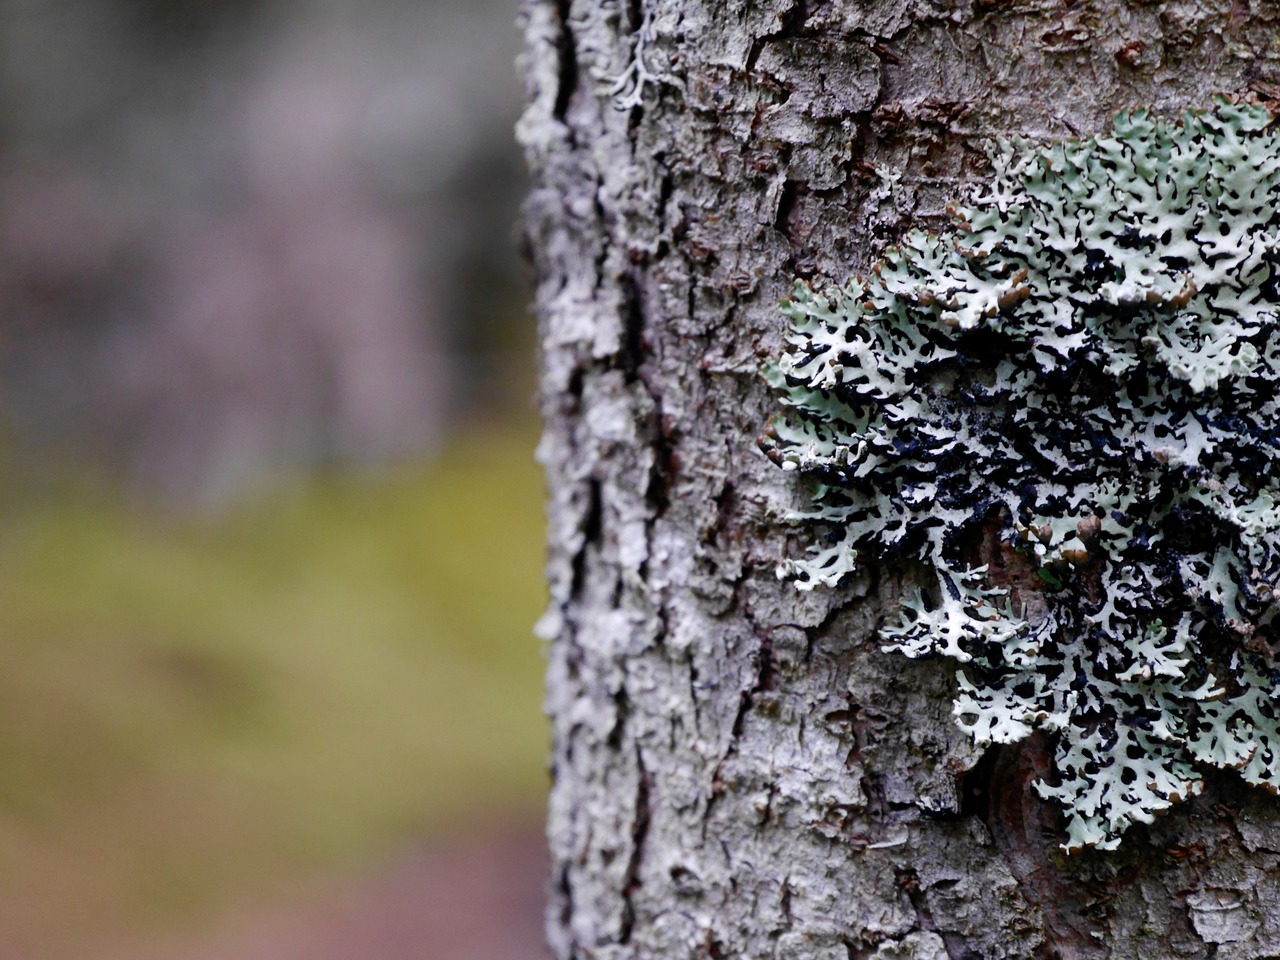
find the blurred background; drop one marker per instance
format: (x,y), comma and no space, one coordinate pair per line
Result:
(270,544)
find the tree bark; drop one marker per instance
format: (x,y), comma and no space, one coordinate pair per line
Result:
(739,771)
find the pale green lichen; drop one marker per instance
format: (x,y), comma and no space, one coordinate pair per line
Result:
(1089,363)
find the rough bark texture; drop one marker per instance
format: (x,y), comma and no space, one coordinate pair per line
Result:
(739,771)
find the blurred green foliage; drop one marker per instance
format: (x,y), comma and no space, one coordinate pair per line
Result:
(194,710)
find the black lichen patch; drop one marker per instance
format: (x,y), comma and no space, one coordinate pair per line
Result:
(1091,354)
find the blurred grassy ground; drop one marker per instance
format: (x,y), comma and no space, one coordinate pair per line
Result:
(194,712)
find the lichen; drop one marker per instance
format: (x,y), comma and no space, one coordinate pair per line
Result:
(628,89)
(1087,364)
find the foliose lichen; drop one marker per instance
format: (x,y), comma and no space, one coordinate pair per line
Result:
(1088,364)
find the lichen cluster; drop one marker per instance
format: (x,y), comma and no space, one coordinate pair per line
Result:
(1088,364)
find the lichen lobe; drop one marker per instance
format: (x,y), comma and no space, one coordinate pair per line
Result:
(1088,359)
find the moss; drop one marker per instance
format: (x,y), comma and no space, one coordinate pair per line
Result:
(1087,360)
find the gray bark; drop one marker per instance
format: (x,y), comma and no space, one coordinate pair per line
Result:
(739,771)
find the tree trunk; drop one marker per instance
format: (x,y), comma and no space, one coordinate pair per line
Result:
(739,770)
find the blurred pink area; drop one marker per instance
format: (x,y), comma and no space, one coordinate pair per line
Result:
(466,898)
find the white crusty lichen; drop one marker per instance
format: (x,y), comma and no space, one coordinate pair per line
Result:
(1089,363)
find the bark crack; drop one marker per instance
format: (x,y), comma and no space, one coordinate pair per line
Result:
(639,834)
(568,67)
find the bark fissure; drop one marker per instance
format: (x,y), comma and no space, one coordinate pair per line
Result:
(639,832)
(567,75)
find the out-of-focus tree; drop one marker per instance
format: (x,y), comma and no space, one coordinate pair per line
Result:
(237,238)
